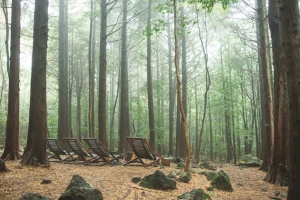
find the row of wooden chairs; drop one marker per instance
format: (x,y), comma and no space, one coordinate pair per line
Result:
(97,152)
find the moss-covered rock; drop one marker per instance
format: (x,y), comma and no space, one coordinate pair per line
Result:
(207,165)
(136,179)
(209,175)
(197,194)
(78,188)
(34,196)
(222,182)
(159,181)
(185,177)
(250,161)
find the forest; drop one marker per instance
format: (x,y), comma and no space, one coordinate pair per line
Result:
(202,80)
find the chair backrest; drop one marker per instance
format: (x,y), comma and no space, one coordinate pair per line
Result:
(96,146)
(77,147)
(141,148)
(56,146)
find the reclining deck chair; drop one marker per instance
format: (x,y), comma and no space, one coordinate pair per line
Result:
(58,149)
(103,154)
(82,153)
(142,150)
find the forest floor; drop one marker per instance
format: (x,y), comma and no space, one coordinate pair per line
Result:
(115,181)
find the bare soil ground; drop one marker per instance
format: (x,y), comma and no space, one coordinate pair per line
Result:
(115,182)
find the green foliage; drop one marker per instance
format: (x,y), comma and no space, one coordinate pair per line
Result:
(209,4)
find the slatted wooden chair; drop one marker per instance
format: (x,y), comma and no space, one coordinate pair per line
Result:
(103,154)
(82,154)
(142,150)
(58,150)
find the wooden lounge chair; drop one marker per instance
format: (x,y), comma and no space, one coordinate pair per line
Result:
(79,150)
(103,154)
(58,150)
(142,150)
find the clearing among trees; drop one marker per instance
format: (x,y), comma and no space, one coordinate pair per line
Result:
(115,181)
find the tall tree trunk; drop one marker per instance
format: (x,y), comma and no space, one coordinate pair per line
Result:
(207,83)
(35,151)
(149,82)
(12,125)
(182,151)
(184,123)
(265,78)
(5,12)
(92,72)
(278,171)
(124,129)
(63,77)
(171,96)
(102,76)
(289,13)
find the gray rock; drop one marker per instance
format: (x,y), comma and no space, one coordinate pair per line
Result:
(186,177)
(222,182)
(197,194)
(79,189)
(207,165)
(34,196)
(250,161)
(158,180)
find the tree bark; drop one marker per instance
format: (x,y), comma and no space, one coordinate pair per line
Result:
(184,125)
(11,149)
(63,127)
(124,129)
(266,87)
(102,76)
(35,151)
(92,73)
(289,12)
(149,82)
(171,97)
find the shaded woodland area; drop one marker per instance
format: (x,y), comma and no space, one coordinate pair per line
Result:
(200,80)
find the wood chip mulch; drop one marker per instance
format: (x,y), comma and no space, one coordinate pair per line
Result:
(115,182)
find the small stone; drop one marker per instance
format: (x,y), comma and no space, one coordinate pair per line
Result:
(240,184)
(283,195)
(46,181)
(264,190)
(210,188)
(277,193)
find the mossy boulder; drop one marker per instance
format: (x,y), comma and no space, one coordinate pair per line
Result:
(250,161)
(34,196)
(207,165)
(209,175)
(78,188)
(185,177)
(136,179)
(197,194)
(159,181)
(222,182)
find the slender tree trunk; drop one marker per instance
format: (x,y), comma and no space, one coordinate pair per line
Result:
(102,76)
(124,129)
(63,77)
(182,146)
(207,84)
(171,96)
(265,78)
(35,151)
(184,125)
(149,82)
(92,73)
(5,12)
(12,126)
